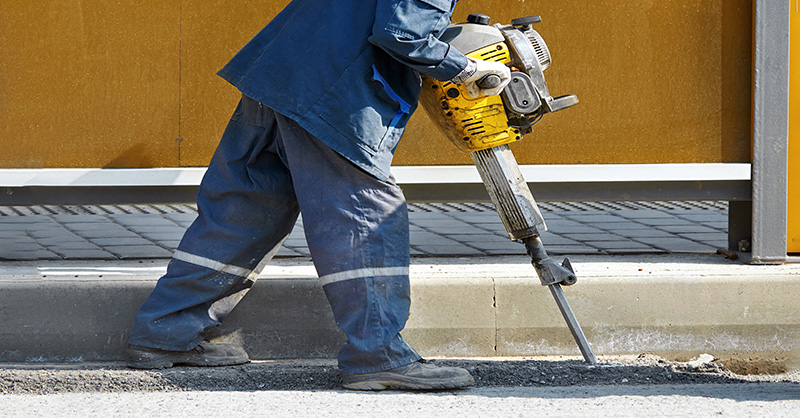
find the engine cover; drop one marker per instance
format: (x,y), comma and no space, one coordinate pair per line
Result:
(474,124)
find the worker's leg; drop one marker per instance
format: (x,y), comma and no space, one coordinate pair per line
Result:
(247,207)
(357,231)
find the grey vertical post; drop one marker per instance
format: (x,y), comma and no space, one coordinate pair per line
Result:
(770,131)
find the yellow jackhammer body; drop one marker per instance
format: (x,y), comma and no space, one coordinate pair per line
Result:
(485,125)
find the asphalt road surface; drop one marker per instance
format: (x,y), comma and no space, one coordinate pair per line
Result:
(619,387)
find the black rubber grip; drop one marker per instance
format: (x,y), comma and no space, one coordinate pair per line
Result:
(489,82)
(527,20)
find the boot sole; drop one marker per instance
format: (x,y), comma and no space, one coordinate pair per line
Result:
(376,383)
(167,361)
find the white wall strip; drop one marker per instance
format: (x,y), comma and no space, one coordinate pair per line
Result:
(63,177)
(580,173)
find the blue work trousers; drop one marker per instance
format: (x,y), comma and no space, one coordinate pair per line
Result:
(266,171)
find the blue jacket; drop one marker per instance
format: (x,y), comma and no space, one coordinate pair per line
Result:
(348,70)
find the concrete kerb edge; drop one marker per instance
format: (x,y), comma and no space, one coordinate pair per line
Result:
(461,307)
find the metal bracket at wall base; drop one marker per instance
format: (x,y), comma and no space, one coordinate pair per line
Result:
(768,261)
(740,225)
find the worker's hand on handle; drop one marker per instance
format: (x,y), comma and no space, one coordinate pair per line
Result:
(484,69)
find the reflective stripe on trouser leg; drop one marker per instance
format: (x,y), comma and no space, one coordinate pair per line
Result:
(246,209)
(357,231)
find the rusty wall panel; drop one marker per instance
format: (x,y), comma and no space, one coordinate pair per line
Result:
(88,83)
(211,33)
(93,83)
(659,82)
(793,210)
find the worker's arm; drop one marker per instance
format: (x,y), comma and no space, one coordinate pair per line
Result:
(409,31)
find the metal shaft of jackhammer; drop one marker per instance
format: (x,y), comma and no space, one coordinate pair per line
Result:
(572,323)
(523,221)
(552,275)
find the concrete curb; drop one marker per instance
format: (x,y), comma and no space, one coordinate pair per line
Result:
(462,307)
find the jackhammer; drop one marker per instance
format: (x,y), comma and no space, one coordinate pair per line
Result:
(484,126)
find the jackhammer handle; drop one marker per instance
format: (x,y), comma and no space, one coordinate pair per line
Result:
(489,81)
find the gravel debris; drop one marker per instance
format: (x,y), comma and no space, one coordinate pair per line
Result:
(323,375)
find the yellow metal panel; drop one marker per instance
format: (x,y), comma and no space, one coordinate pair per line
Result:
(794,134)
(89,83)
(659,82)
(212,32)
(96,84)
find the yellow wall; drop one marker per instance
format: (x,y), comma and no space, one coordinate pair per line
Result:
(89,83)
(131,83)
(794,135)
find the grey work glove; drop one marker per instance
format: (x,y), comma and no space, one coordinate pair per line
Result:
(483,69)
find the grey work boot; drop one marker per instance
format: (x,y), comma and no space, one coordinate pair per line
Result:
(415,376)
(205,354)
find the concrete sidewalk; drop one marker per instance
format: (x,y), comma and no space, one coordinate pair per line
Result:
(649,281)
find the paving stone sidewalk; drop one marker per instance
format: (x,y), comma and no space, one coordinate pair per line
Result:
(108,232)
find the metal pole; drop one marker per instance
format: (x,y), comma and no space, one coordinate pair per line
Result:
(770,131)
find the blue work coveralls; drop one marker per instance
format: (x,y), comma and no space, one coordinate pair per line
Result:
(328,87)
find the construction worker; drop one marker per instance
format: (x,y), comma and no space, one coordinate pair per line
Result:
(328,87)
